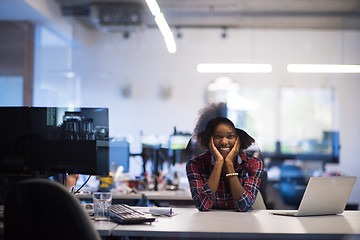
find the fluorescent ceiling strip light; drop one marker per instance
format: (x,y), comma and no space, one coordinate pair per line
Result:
(170,43)
(322,68)
(233,68)
(163,25)
(153,6)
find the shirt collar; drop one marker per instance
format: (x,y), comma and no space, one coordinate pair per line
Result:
(239,160)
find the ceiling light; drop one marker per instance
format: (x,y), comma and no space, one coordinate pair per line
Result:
(153,6)
(163,25)
(322,68)
(233,68)
(170,43)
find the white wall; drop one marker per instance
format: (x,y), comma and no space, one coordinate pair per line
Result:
(143,62)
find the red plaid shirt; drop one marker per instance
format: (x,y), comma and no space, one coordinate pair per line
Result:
(198,172)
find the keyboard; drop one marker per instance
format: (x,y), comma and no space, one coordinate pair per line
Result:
(124,214)
(288,213)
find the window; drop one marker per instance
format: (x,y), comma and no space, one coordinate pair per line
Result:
(11,90)
(254,110)
(296,122)
(307,121)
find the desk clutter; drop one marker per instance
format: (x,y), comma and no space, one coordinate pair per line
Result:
(172,178)
(125,214)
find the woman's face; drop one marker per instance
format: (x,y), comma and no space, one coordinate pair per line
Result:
(224,138)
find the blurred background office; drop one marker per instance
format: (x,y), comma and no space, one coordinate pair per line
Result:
(111,54)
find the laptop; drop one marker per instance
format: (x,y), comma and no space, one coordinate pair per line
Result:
(323,196)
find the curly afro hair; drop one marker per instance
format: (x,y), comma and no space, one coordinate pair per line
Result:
(207,113)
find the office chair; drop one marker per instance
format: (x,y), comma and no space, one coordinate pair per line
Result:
(263,186)
(259,203)
(42,209)
(292,184)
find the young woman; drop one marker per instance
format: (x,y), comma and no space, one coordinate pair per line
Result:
(224,177)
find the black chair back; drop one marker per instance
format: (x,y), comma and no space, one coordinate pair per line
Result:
(43,209)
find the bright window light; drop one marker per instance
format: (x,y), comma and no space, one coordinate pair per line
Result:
(233,68)
(322,68)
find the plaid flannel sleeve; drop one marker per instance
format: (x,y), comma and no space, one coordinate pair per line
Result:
(251,184)
(200,191)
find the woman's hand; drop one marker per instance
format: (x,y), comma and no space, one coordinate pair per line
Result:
(234,151)
(214,178)
(214,151)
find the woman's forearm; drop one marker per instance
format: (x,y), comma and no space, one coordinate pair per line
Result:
(214,178)
(236,188)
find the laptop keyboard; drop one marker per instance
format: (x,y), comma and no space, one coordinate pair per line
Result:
(124,214)
(293,213)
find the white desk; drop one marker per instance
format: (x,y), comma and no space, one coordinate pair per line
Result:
(177,197)
(190,223)
(180,195)
(104,228)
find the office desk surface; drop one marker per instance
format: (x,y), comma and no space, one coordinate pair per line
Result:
(104,228)
(181,195)
(191,223)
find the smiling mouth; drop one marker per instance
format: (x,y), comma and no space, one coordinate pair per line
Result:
(224,148)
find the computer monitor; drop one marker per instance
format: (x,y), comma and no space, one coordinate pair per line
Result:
(179,142)
(177,147)
(46,141)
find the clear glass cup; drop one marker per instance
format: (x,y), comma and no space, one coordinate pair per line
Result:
(102,203)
